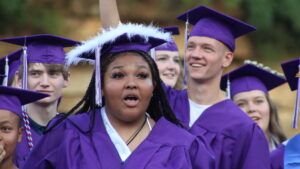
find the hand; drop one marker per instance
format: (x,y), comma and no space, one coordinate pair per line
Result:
(2,152)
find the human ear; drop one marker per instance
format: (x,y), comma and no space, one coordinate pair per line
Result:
(227,59)
(18,80)
(67,80)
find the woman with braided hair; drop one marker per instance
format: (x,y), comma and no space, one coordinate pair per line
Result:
(124,120)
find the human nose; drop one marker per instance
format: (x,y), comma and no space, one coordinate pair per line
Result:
(44,80)
(251,108)
(171,64)
(131,83)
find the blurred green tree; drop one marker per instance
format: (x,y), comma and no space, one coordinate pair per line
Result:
(277,21)
(23,16)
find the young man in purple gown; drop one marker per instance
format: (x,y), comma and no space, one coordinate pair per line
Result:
(238,143)
(41,68)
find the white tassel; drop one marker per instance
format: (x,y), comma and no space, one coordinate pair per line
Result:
(25,72)
(186,32)
(228,88)
(296,112)
(5,80)
(98,94)
(152,54)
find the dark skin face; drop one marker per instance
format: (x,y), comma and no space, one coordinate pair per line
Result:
(128,88)
(10,134)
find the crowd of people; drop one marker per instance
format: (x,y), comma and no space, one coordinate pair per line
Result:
(136,112)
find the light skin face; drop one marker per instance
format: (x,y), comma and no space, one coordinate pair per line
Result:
(255,104)
(206,58)
(168,66)
(10,134)
(127,88)
(46,81)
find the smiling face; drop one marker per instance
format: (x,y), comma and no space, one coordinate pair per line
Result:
(256,105)
(127,87)
(168,63)
(10,132)
(206,58)
(46,79)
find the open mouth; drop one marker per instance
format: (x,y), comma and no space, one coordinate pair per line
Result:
(131,100)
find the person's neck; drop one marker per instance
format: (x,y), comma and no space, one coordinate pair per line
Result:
(126,130)
(41,113)
(206,92)
(7,164)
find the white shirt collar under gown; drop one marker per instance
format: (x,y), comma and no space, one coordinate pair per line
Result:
(195,111)
(122,148)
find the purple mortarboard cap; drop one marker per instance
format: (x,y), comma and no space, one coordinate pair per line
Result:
(169,46)
(11,62)
(12,99)
(216,25)
(1,78)
(43,48)
(291,70)
(250,77)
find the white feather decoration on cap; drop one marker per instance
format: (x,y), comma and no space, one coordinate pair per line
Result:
(109,36)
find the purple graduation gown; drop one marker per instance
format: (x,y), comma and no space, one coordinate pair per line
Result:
(238,143)
(70,146)
(22,149)
(277,157)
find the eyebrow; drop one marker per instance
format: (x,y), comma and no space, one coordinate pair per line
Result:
(162,55)
(139,67)
(4,122)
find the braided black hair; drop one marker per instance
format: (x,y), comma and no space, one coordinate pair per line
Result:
(158,106)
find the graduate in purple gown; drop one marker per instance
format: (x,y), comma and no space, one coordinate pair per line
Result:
(41,69)
(238,143)
(11,128)
(287,155)
(248,86)
(124,120)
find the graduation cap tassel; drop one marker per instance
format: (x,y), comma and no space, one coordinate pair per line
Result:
(98,94)
(27,130)
(5,80)
(296,112)
(228,89)
(25,72)
(186,31)
(152,53)
(24,110)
